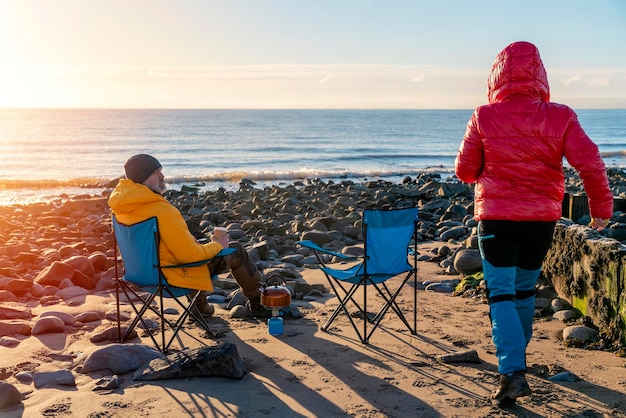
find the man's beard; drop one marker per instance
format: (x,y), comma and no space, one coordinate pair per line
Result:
(161,188)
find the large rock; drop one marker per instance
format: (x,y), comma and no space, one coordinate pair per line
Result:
(589,272)
(120,358)
(468,262)
(221,360)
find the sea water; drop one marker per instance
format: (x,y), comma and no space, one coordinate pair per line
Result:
(47,152)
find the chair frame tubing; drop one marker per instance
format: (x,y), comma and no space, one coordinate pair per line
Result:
(131,295)
(382,289)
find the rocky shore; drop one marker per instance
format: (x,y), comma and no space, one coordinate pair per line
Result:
(53,253)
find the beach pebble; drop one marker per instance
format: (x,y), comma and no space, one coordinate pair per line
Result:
(441,287)
(65,317)
(82,264)
(468,262)
(468,356)
(565,315)
(107,383)
(564,377)
(8,328)
(579,332)
(148,323)
(19,287)
(54,274)
(48,325)
(239,311)
(119,358)
(453,233)
(89,316)
(542,303)
(72,292)
(559,304)
(111,334)
(9,342)
(15,313)
(6,296)
(25,377)
(58,377)
(9,395)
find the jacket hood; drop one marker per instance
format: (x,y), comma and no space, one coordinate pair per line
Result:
(518,71)
(128,196)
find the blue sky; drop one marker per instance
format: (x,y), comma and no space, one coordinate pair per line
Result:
(301,54)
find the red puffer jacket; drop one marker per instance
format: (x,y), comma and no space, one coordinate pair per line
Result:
(513,147)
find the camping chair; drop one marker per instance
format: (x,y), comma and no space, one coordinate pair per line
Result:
(144,282)
(387,236)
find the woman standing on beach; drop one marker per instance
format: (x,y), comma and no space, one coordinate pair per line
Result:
(513,150)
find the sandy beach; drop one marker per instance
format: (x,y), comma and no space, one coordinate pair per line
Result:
(304,372)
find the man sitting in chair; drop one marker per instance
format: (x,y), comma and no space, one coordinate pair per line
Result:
(139,197)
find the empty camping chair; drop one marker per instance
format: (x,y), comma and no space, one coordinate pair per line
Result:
(144,283)
(390,238)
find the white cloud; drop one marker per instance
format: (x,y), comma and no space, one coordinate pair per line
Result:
(572,80)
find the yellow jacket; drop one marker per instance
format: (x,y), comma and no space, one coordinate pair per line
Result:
(132,203)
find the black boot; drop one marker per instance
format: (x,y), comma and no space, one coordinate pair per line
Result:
(257,310)
(511,388)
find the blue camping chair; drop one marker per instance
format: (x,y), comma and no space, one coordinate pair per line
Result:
(388,236)
(144,282)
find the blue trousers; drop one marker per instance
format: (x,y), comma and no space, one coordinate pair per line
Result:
(512,254)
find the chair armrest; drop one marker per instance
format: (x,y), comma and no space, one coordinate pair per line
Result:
(222,253)
(315,247)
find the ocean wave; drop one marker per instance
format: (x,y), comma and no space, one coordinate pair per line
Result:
(619,153)
(302,174)
(82,182)
(225,177)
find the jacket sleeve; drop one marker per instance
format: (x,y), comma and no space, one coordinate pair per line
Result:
(175,235)
(470,158)
(582,154)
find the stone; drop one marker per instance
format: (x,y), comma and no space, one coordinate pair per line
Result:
(58,377)
(9,342)
(559,304)
(48,325)
(468,262)
(15,313)
(90,316)
(54,274)
(6,296)
(453,233)
(318,237)
(19,287)
(565,315)
(82,264)
(67,318)
(111,334)
(119,358)
(8,328)
(441,287)
(468,356)
(9,395)
(579,332)
(72,292)
(221,360)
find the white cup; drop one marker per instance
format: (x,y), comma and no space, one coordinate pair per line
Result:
(221,235)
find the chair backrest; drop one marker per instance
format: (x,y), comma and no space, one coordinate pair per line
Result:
(139,248)
(387,235)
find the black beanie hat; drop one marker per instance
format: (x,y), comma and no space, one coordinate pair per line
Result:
(141,166)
